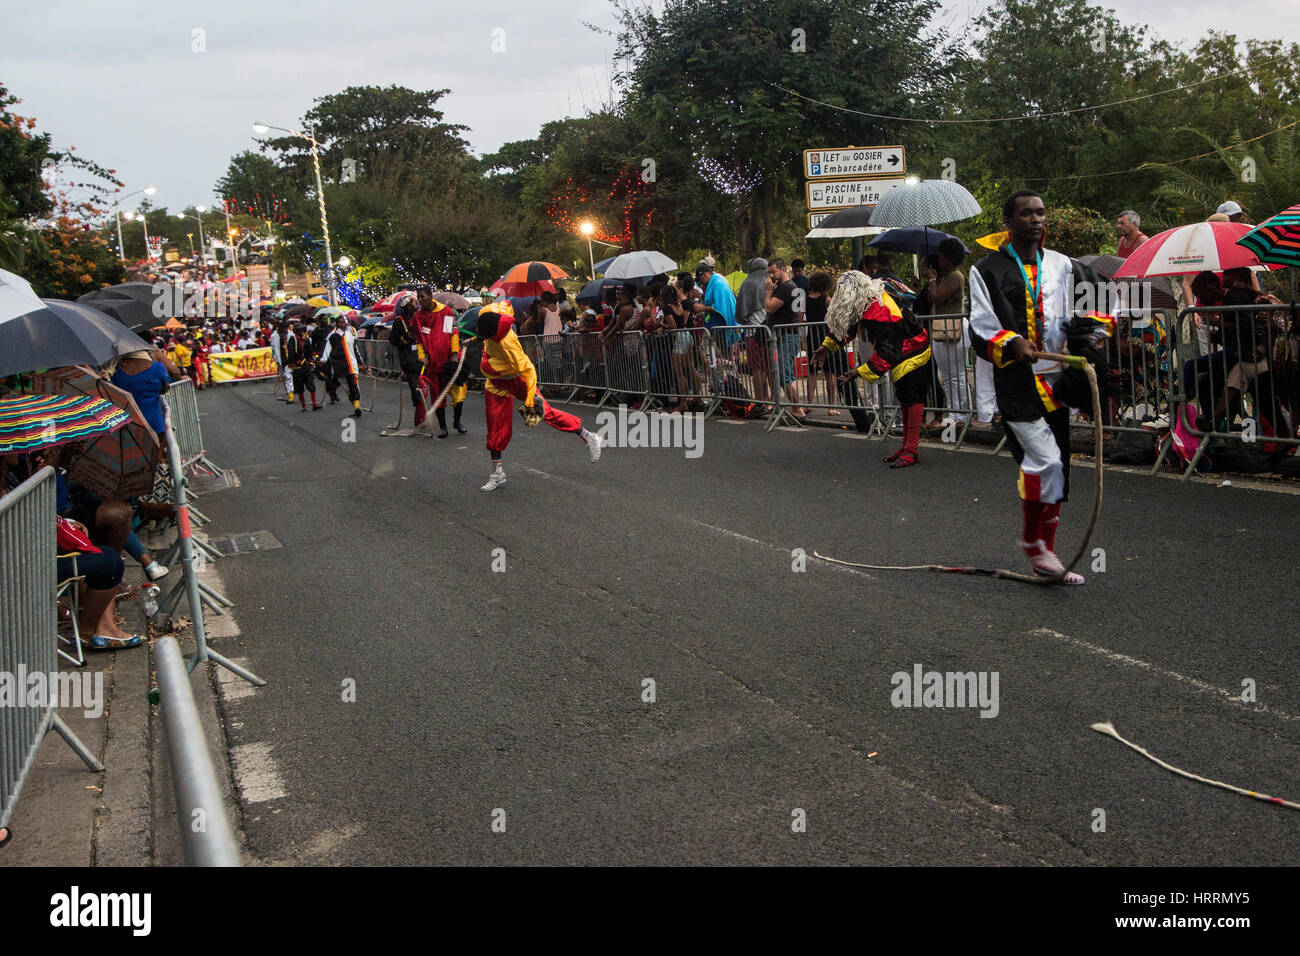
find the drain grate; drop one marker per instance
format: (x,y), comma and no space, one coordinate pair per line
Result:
(203,484)
(245,543)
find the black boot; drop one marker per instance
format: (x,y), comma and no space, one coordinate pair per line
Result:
(442,421)
(455,419)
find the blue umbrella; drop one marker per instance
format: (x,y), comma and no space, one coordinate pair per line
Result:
(913,240)
(604,264)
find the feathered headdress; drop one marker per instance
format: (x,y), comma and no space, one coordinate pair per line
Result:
(854,293)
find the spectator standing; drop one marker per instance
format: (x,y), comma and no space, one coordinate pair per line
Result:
(837,363)
(949,335)
(147,376)
(719,300)
(751,310)
(1130,235)
(785,307)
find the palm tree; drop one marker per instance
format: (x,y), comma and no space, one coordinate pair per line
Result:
(1263,176)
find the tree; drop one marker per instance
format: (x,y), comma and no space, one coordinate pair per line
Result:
(711,78)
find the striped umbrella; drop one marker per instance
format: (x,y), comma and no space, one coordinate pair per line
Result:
(927,202)
(1276,240)
(29,422)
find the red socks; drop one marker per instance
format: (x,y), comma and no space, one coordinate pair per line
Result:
(1035,512)
(1051,518)
(912,416)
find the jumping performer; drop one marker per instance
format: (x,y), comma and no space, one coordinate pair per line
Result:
(339,355)
(435,328)
(1022,300)
(297,356)
(901,348)
(510,374)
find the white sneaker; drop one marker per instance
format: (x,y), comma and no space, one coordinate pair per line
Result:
(154,571)
(594,446)
(495,480)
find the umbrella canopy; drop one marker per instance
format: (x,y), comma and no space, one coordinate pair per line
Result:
(1199,247)
(16,296)
(117,464)
(143,291)
(846,224)
(452,300)
(318,302)
(927,202)
(29,422)
(296,310)
(502,287)
(1151,295)
(595,291)
(603,264)
(172,324)
(378,318)
(534,272)
(913,240)
(62,333)
(639,265)
(329,311)
(1276,240)
(135,314)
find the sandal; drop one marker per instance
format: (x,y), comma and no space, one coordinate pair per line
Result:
(894,457)
(132,593)
(906,459)
(101,643)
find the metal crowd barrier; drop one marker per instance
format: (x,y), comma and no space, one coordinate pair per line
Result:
(377,359)
(627,368)
(1237,380)
(206,836)
(29,633)
(183,404)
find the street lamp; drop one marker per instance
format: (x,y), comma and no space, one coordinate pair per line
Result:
(344,262)
(203,259)
(121,253)
(587,229)
(260,127)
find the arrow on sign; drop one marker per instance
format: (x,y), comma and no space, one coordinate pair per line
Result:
(893,159)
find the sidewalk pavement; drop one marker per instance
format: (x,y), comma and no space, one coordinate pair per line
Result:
(70,816)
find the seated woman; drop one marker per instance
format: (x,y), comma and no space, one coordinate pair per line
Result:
(102,568)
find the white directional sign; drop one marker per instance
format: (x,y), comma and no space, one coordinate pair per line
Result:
(815,219)
(862,162)
(844,193)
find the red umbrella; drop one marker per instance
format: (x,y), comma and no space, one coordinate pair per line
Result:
(520,289)
(534,271)
(1199,247)
(387,302)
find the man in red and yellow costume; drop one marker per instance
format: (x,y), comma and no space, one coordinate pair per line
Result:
(434,325)
(510,375)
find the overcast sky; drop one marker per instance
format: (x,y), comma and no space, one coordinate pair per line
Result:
(121,80)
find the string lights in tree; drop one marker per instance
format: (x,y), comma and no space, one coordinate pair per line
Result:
(574,206)
(730,179)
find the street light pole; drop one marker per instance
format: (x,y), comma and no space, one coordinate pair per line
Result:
(320,197)
(117,215)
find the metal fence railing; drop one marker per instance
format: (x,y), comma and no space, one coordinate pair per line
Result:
(1237,383)
(29,633)
(206,836)
(377,358)
(183,405)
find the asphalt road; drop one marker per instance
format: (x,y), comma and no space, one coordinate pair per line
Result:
(521,691)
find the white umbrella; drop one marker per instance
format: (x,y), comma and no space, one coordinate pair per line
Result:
(927,202)
(638,265)
(16,296)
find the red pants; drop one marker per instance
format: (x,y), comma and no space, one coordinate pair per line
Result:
(500,420)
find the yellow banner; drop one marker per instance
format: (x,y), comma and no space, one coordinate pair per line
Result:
(236,366)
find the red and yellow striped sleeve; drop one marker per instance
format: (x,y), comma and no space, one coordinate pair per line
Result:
(997,346)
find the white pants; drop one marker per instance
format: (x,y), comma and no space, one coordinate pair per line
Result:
(288,379)
(1042,478)
(951,359)
(986,402)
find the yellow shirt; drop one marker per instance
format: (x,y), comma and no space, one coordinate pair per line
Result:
(507,359)
(181,356)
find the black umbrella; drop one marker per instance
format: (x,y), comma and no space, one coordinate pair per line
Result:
(63,333)
(912,240)
(846,224)
(1145,291)
(595,291)
(143,291)
(132,313)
